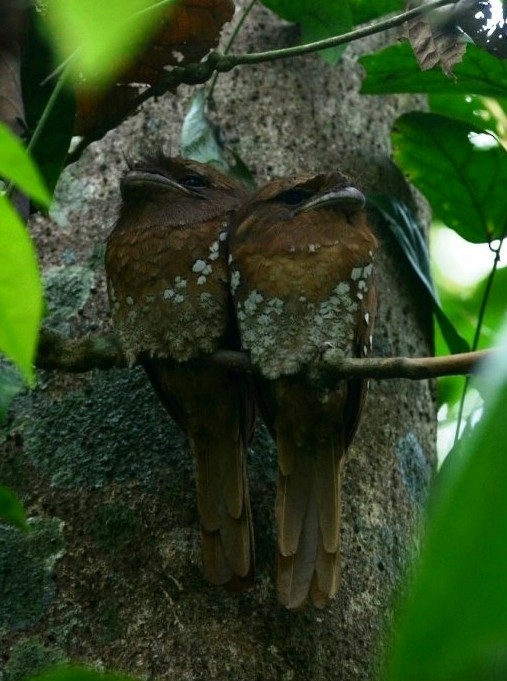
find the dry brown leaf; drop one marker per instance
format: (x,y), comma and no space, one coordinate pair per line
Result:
(95,106)
(186,33)
(435,42)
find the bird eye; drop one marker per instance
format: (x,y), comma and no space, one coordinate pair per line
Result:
(293,197)
(193,181)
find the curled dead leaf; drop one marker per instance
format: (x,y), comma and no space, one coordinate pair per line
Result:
(96,106)
(185,34)
(435,41)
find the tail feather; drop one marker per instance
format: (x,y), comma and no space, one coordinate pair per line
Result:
(308,515)
(328,461)
(327,576)
(216,567)
(224,509)
(219,432)
(292,497)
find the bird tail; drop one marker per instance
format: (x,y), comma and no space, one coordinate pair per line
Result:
(308,510)
(215,409)
(224,509)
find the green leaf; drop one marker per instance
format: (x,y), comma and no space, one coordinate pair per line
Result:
(409,236)
(100,35)
(463,309)
(77,673)
(20,291)
(17,167)
(453,623)
(11,509)
(365,10)
(463,181)
(318,20)
(395,69)
(200,142)
(50,150)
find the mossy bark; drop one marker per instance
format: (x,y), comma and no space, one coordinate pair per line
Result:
(103,469)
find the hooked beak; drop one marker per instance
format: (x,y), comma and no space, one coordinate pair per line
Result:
(138,180)
(340,197)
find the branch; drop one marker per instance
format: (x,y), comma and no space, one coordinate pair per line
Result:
(58,353)
(197,74)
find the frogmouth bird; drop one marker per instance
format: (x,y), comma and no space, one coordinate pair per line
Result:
(301,253)
(167,276)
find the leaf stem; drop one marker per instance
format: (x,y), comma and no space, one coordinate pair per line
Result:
(478,328)
(229,44)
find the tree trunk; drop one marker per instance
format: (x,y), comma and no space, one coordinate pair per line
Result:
(111,573)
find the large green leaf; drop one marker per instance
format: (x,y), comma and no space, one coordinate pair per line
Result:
(408,234)
(395,69)
(463,181)
(101,35)
(365,10)
(20,291)
(11,509)
(453,623)
(50,149)
(17,167)
(318,20)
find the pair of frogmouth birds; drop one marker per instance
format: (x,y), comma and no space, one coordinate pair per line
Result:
(195,264)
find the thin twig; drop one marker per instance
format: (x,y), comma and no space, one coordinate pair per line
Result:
(228,62)
(229,44)
(58,353)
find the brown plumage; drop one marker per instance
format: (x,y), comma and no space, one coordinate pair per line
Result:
(167,275)
(301,278)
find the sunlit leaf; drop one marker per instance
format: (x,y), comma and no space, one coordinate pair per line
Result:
(480,112)
(17,167)
(318,20)
(11,509)
(453,623)
(461,177)
(409,236)
(20,291)
(395,69)
(100,35)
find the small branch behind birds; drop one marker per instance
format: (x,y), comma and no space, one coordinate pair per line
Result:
(59,353)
